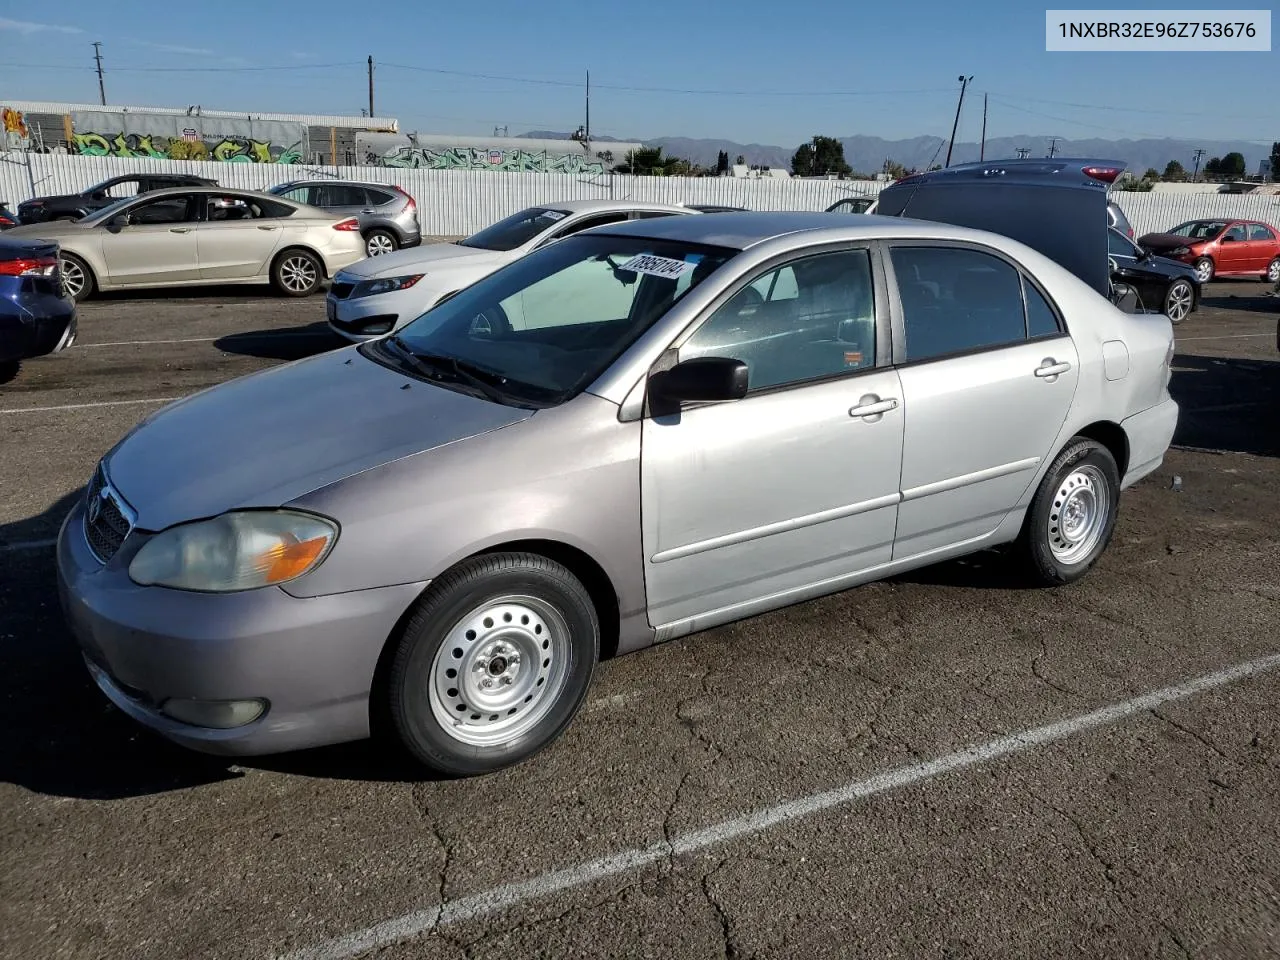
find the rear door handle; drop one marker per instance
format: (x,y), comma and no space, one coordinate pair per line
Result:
(368,211)
(1051,369)
(872,406)
(263,227)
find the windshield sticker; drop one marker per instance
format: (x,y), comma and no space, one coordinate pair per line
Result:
(553,215)
(657,266)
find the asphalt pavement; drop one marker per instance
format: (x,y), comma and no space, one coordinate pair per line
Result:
(942,765)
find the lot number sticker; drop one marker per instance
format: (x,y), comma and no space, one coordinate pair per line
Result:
(657,266)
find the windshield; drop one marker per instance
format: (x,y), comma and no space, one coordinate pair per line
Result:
(543,328)
(516,230)
(1200,229)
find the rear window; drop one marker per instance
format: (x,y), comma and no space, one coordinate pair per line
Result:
(516,230)
(378,197)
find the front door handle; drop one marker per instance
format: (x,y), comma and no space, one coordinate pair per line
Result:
(871,406)
(179,229)
(264,227)
(1050,369)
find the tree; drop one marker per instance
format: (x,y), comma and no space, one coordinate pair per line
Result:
(651,161)
(1232,166)
(1151,174)
(1173,170)
(894,169)
(1275,162)
(741,161)
(1213,167)
(819,157)
(722,162)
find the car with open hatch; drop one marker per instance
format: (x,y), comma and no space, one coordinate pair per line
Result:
(381,294)
(638,432)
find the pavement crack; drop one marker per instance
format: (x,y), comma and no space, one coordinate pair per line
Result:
(730,950)
(1200,738)
(1038,672)
(1108,867)
(422,797)
(1173,934)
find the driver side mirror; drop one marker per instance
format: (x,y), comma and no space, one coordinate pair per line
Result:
(701,380)
(120,220)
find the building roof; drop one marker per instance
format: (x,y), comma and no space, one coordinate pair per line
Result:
(315,120)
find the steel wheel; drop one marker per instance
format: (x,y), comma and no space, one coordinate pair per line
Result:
(379,243)
(1078,517)
(1177,302)
(1204,269)
(298,273)
(499,670)
(75,277)
(1273,271)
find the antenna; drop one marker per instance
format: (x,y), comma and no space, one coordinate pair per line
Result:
(982,149)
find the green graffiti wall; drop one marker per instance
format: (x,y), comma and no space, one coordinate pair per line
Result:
(475,158)
(227,149)
(166,136)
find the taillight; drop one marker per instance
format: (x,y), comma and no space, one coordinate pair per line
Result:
(29,267)
(1130,232)
(351,224)
(1105,174)
(408,196)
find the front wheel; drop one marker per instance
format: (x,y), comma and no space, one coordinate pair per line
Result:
(1204,269)
(297,273)
(493,664)
(1273,271)
(1178,300)
(1073,514)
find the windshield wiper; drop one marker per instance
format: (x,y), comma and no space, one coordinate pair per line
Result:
(432,364)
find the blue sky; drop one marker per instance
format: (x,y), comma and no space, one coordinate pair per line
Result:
(752,70)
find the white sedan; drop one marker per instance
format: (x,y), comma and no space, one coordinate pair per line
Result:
(373,297)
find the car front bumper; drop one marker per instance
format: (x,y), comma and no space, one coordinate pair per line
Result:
(367,318)
(311,660)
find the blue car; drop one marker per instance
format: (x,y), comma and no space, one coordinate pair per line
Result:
(36,317)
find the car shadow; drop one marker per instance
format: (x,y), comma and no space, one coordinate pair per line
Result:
(65,739)
(987,570)
(9,371)
(1227,404)
(1250,303)
(221,291)
(288,343)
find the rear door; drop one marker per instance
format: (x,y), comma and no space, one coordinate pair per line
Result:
(156,245)
(988,375)
(237,236)
(1262,247)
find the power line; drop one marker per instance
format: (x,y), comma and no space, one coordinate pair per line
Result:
(1118,109)
(295,66)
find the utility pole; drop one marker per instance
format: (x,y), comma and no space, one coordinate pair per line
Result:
(964,82)
(97,55)
(371,85)
(982,149)
(1053,146)
(1198,155)
(1023,152)
(587,129)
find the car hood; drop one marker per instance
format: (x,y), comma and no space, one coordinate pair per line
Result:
(55,198)
(1166,241)
(273,436)
(423,258)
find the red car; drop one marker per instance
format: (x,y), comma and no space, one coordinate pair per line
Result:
(1221,248)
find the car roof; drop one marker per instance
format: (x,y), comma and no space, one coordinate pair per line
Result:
(606,206)
(341,183)
(740,231)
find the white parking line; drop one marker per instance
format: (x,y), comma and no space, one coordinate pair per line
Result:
(514,894)
(244,336)
(87,406)
(1228,336)
(27,545)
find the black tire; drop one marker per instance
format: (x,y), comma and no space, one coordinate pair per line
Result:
(1043,525)
(1205,268)
(1273,272)
(89,284)
(381,238)
(450,600)
(1179,301)
(291,267)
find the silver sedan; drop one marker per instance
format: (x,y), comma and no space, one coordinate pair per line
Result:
(634,434)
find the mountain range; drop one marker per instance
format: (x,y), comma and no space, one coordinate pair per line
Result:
(868,154)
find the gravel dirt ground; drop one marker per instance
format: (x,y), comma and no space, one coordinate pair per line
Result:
(1151,831)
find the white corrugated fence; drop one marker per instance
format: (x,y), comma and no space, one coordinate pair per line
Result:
(459,202)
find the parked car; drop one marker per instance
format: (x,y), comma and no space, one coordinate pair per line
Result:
(196,236)
(37,318)
(1167,285)
(635,433)
(379,295)
(714,208)
(851,205)
(7,217)
(388,215)
(73,206)
(1222,247)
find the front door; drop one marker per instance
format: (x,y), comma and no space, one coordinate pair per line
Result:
(795,484)
(1233,250)
(155,244)
(987,380)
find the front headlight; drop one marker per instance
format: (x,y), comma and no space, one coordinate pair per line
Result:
(369,288)
(243,550)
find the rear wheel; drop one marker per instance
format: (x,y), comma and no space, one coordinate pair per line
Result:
(297,273)
(77,278)
(1204,269)
(1273,271)
(379,242)
(1178,300)
(1073,514)
(493,664)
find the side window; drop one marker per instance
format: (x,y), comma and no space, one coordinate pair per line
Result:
(337,195)
(956,300)
(1235,233)
(376,198)
(1259,232)
(586,223)
(125,188)
(298,195)
(168,210)
(825,328)
(1117,245)
(650,214)
(1041,320)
